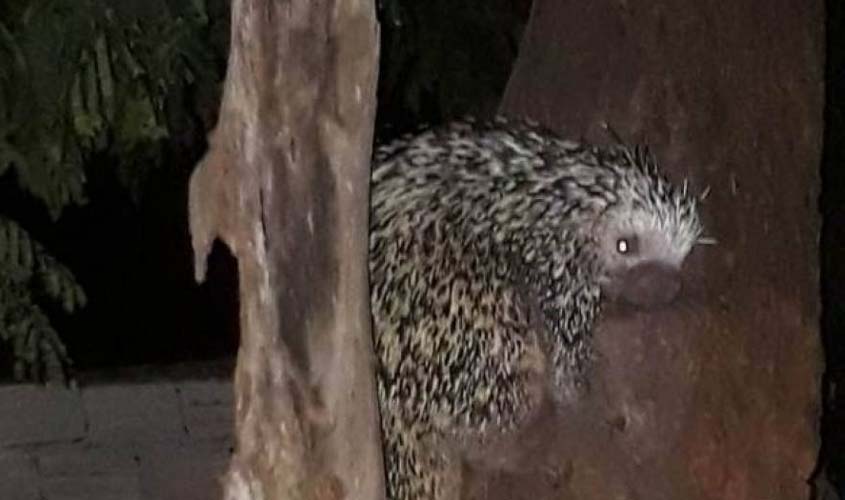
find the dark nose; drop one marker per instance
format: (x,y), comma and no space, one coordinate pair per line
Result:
(651,284)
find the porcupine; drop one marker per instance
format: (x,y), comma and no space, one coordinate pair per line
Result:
(492,245)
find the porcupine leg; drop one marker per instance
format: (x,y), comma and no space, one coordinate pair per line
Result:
(418,466)
(492,366)
(426,457)
(504,407)
(460,374)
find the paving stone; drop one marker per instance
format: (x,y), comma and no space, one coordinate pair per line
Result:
(208,408)
(18,478)
(143,441)
(86,459)
(120,415)
(190,473)
(31,414)
(101,487)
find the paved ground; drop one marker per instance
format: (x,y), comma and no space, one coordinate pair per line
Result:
(120,441)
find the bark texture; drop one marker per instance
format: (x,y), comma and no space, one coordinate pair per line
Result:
(717,396)
(285,186)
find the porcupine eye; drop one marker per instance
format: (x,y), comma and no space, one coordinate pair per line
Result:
(627,245)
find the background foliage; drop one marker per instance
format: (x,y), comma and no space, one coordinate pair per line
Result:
(442,59)
(79,80)
(97,95)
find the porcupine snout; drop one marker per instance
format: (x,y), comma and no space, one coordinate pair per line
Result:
(646,285)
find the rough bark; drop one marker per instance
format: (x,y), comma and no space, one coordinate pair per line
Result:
(718,396)
(285,186)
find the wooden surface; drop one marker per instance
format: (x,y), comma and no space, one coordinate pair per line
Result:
(285,186)
(719,395)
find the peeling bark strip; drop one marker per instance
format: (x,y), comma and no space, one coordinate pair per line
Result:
(718,398)
(285,186)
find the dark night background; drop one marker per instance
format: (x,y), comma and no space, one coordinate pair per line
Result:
(833,247)
(133,257)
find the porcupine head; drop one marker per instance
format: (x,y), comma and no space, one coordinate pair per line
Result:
(643,233)
(632,231)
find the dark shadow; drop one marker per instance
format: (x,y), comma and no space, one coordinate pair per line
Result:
(832,455)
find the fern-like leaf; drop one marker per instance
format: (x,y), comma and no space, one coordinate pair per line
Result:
(28,274)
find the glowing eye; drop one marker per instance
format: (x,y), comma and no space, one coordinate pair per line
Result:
(622,246)
(628,245)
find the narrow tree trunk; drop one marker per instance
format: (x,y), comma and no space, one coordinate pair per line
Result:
(717,397)
(285,186)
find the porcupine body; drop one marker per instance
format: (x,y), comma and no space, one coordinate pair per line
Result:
(491,248)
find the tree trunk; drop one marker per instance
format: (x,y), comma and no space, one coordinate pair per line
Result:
(285,186)
(717,397)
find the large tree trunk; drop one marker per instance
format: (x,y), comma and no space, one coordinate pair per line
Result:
(285,186)
(717,397)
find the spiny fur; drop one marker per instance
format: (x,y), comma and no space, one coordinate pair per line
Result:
(486,279)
